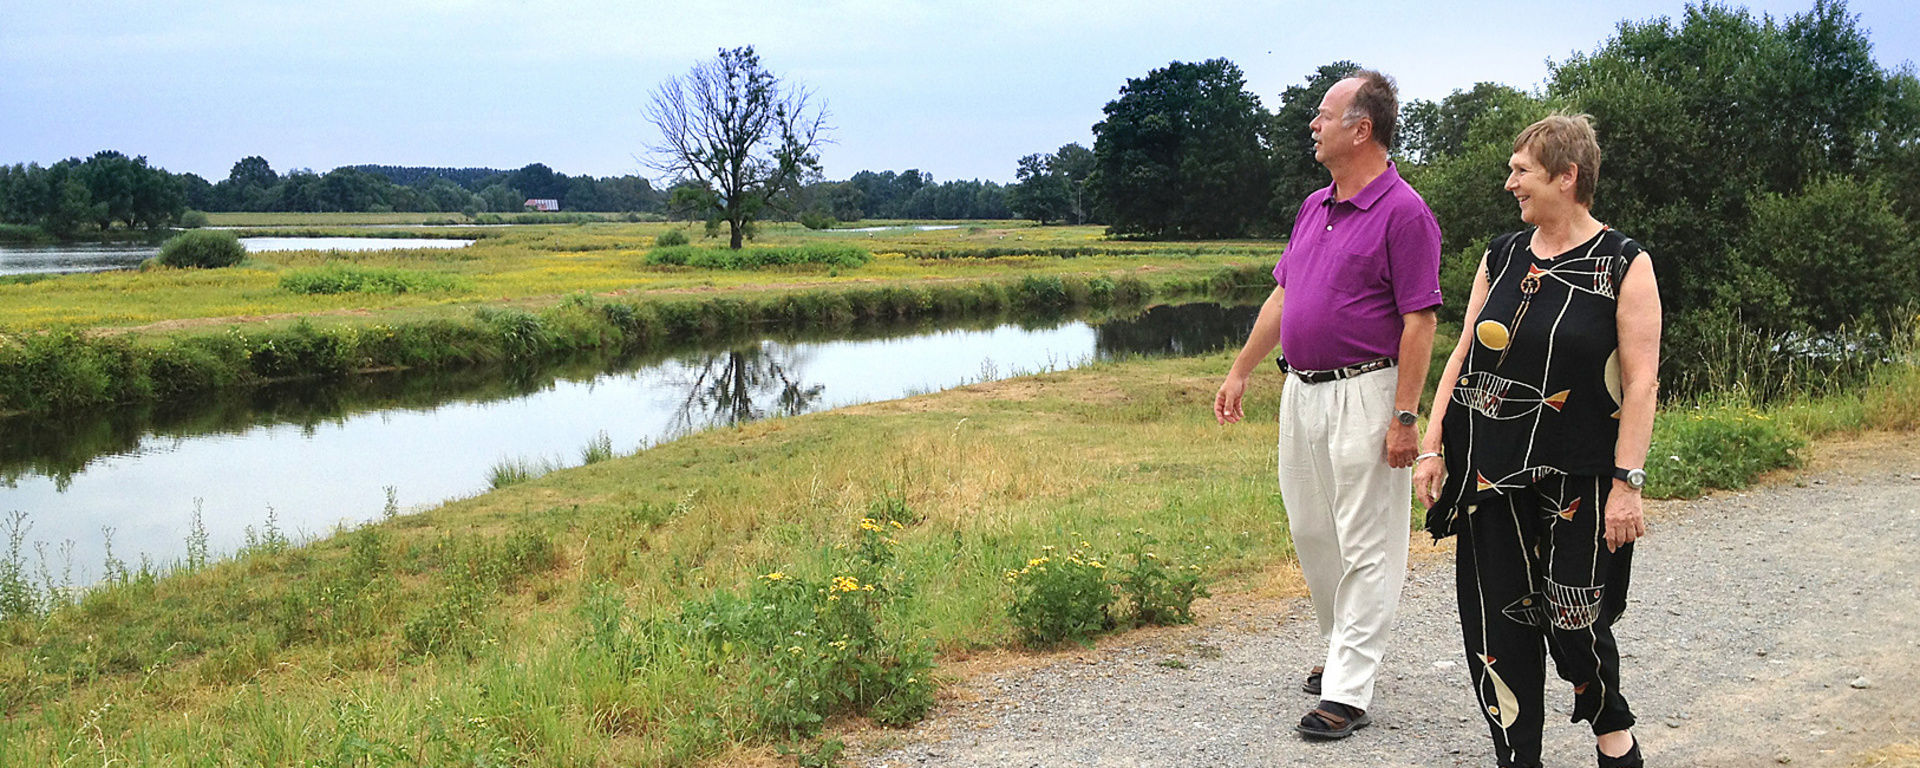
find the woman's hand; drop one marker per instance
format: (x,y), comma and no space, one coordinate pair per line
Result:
(1624,521)
(1429,474)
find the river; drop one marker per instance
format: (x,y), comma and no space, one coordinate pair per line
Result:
(318,457)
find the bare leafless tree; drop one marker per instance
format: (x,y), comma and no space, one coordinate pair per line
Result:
(739,133)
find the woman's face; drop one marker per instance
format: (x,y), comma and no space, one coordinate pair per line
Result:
(1533,188)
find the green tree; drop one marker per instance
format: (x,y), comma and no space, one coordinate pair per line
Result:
(1180,154)
(1431,131)
(537,180)
(731,125)
(1702,118)
(500,198)
(1040,193)
(1294,171)
(1074,164)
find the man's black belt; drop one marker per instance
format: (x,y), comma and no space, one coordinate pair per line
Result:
(1322,377)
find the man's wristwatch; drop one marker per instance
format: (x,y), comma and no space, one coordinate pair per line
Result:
(1405,418)
(1635,478)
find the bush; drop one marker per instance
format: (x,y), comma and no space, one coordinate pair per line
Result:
(1061,598)
(351,279)
(817,220)
(671,237)
(803,649)
(1158,593)
(1836,255)
(201,249)
(819,254)
(193,220)
(1716,446)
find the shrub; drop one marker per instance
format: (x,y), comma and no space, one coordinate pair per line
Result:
(1716,446)
(1158,593)
(817,220)
(353,279)
(201,249)
(23,233)
(193,220)
(820,254)
(1061,598)
(670,238)
(301,351)
(803,649)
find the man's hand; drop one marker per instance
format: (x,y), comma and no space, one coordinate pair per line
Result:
(1624,521)
(1401,441)
(1226,402)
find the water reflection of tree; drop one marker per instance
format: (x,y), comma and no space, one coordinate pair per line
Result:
(1184,329)
(742,385)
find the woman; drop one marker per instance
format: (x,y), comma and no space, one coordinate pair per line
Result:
(1544,412)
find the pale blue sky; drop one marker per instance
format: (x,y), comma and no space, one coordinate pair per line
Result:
(958,89)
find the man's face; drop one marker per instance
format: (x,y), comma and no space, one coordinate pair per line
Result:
(1332,137)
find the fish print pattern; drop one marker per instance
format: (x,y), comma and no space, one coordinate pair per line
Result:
(1497,397)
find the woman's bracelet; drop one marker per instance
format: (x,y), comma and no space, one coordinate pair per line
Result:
(1425,456)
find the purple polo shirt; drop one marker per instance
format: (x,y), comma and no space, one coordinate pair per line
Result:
(1352,268)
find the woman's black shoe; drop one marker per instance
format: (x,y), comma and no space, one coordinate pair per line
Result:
(1629,760)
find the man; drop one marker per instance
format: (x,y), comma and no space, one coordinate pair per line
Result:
(1353,314)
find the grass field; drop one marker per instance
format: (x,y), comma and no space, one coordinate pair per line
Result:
(590,616)
(538,264)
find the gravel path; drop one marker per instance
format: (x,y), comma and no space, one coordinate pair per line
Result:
(1780,625)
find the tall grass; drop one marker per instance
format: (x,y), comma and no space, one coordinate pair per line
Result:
(350,279)
(815,254)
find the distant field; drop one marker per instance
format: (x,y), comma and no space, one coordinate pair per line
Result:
(401,219)
(329,219)
(541,263)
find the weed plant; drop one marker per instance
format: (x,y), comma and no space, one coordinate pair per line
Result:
(598,450)
(1157,592)
(506,472)
(1061,598)
(840,255)
(342,278)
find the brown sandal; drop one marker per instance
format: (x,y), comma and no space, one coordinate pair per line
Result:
(1333,720)
(1312,685)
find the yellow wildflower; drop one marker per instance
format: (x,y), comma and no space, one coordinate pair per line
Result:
(867,524)
(844,584)
(775,576)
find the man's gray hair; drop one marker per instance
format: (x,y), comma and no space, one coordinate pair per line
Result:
(1378,100)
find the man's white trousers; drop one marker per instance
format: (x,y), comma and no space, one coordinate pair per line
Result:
(1350,515)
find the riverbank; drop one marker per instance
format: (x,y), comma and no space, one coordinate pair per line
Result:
(600,614)
(78,341)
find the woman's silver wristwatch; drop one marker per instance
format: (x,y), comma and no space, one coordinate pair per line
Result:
(1635,478)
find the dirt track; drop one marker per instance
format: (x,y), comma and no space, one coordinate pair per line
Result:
(1778,625)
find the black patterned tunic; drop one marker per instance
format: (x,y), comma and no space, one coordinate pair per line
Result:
(1539,393)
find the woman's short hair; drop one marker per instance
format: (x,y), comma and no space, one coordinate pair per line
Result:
(1560,141)
(1378,100)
